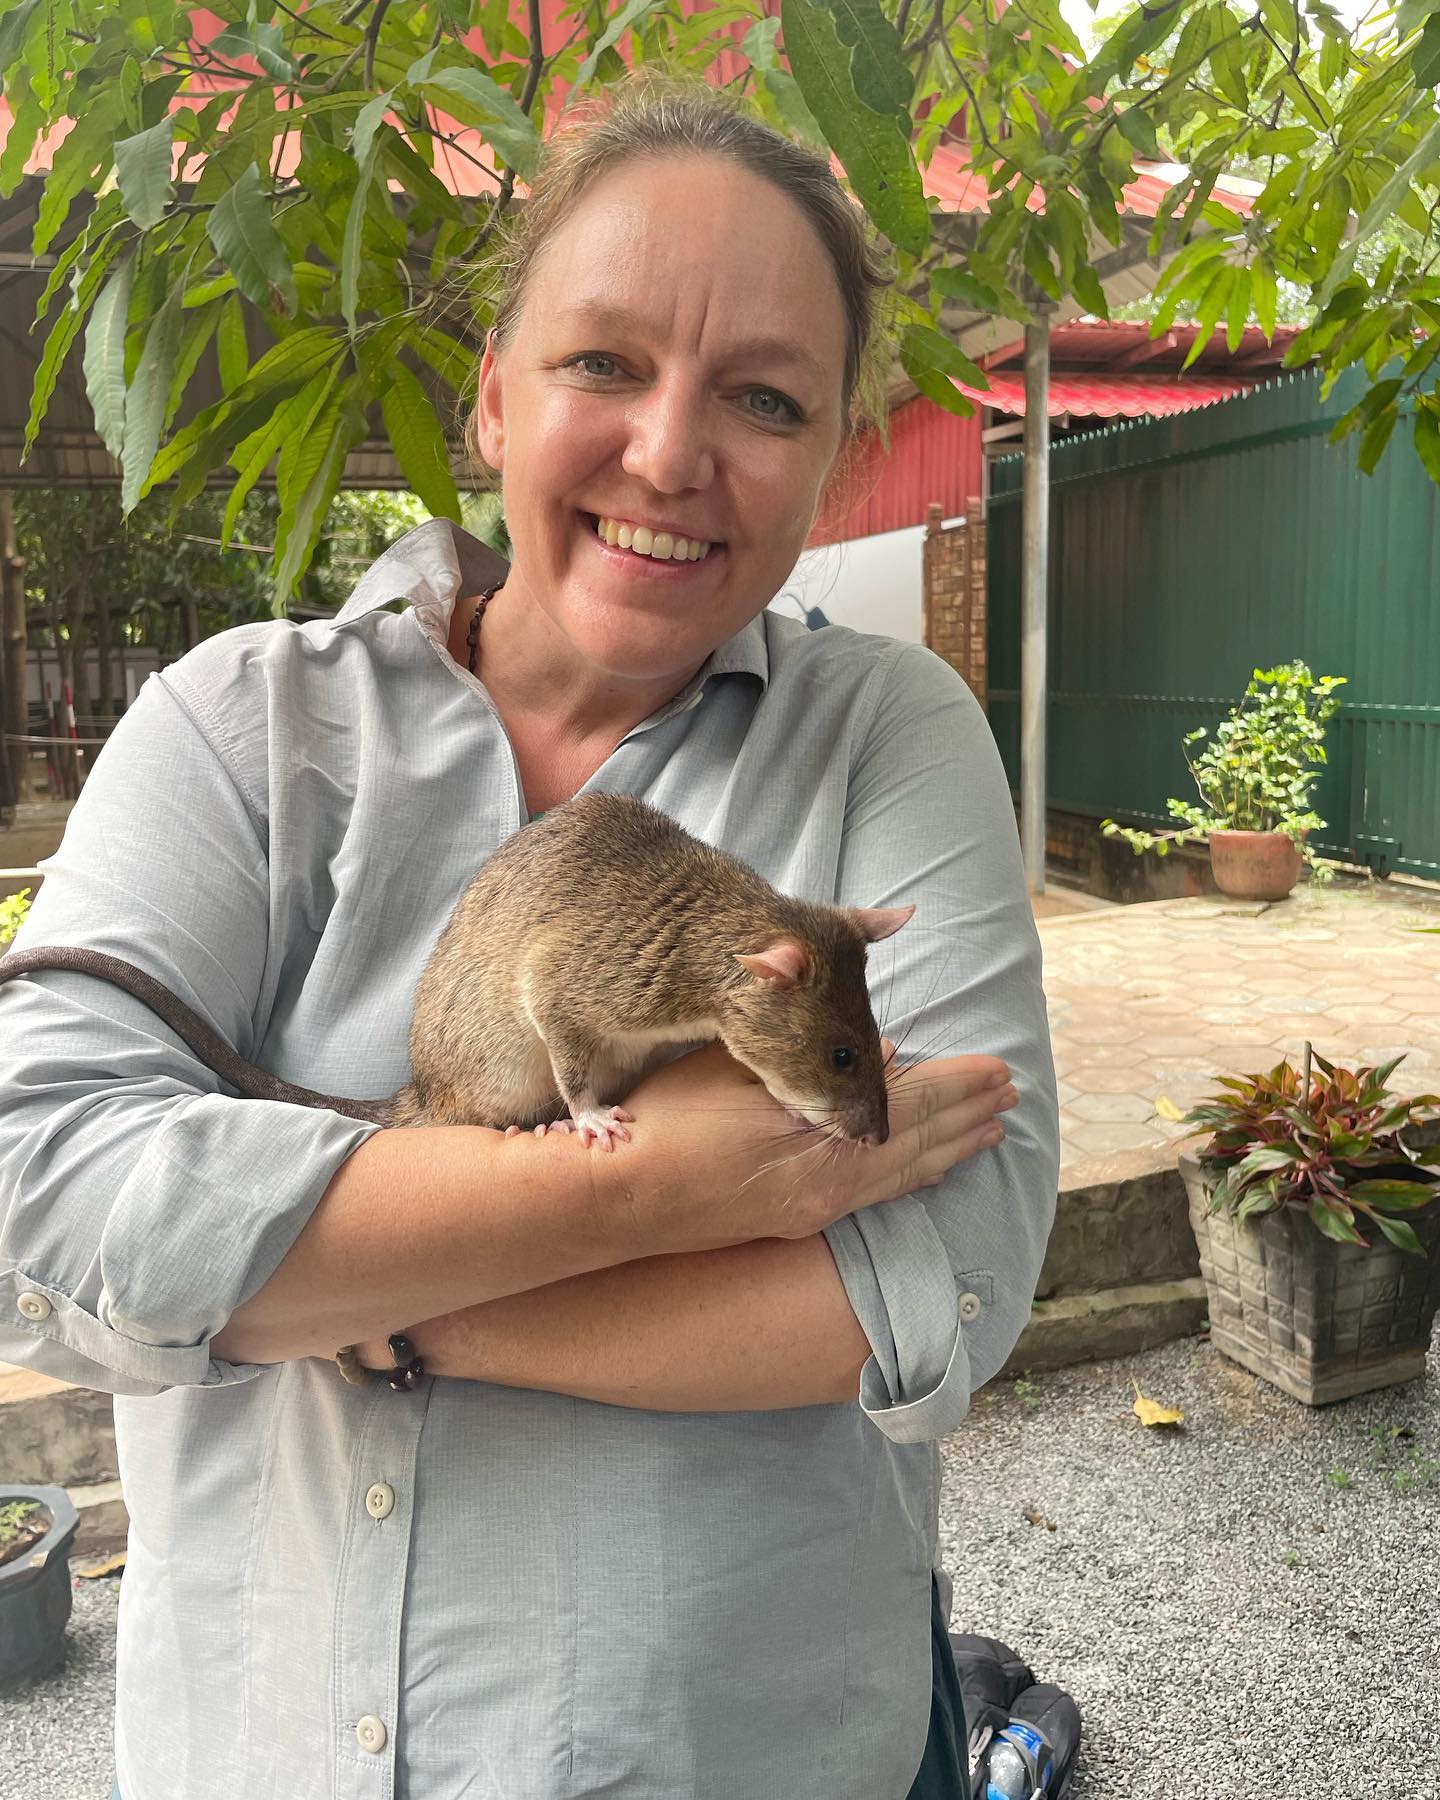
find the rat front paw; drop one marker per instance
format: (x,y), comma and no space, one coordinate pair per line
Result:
(602,1126)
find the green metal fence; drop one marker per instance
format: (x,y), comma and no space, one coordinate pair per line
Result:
(1187,552)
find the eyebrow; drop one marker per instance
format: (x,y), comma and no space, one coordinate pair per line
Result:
(604,317)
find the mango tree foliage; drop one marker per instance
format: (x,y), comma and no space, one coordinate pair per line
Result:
(266,181)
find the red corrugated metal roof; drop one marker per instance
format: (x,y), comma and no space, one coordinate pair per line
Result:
(1110,396)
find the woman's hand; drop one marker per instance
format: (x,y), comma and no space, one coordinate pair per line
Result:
(713,1160)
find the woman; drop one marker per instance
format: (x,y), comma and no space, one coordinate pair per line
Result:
(630,1534)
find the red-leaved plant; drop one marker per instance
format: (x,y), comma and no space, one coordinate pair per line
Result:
(1272,1145)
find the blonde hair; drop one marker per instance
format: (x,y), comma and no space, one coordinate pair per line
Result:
(654,113)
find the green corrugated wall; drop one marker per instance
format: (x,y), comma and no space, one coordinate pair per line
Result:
(1187,552)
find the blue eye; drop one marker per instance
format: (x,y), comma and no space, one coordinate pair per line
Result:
(791,409)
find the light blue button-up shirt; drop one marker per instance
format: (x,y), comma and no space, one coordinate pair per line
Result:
(469,1590)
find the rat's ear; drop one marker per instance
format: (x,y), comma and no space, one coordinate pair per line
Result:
(781,964)
(881,921)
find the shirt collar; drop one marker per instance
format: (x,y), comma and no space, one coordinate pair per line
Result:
(437,562)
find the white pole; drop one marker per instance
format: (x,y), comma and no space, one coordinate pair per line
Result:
(1035,520)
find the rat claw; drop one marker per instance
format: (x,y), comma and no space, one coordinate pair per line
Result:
(512,1131)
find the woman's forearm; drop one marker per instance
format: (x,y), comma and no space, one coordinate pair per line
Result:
(420,1220)
(752,1327)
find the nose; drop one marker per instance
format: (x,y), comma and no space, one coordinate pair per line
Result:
(877,1135)
(668,445)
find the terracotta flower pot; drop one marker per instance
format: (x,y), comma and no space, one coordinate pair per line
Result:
(1254,865)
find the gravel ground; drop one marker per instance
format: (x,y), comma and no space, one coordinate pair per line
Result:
(1230,1617)
(56,1733)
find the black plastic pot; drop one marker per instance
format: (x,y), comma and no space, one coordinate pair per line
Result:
(35,1592)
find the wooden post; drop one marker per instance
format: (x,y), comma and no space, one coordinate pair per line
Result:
(12,608)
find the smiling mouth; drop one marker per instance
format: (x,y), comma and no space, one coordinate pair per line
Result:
(653,546)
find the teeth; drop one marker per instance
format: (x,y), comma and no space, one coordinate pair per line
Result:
(662,545)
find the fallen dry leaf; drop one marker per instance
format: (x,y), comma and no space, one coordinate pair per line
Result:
(1167,1109)
(1151,1412)
(1038,1518)
(106,1566)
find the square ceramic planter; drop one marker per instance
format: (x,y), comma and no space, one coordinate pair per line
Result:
(1320,1319)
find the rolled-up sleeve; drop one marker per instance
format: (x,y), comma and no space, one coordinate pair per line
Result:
(139,1203)
(942,1283)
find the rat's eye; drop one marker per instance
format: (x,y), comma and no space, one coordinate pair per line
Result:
(843,1057)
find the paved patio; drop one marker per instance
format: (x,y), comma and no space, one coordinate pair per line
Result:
(1158,999)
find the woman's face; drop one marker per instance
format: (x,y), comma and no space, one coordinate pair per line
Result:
(677,364)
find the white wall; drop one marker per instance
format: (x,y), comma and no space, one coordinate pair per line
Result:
(870,584)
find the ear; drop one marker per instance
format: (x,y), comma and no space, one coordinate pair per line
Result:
(882,921)
(782,964)
(488,427)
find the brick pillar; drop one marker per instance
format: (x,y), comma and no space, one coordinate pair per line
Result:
(954,593)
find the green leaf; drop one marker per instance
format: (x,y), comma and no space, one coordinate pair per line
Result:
(1333,1220)
(1395,1196)
(874,151)
(308,480)
(248,244)
(105,355)
(1207,314)
(254,455)
(1266,296)
(1381,207)
(27,120)
(1138,129)
(1229,51)
(145,402)
(1237,310)
(231,349)
(451,360)
(354,237)
(142,166)
(925,345)
(877,63)
(367,122)
(418,442)
(633,13)
(1400,1234)
(1377,436)
(474,99)
(87,148)
(62,334)
(1427,440)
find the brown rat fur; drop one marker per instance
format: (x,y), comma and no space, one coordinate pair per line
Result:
(587,941)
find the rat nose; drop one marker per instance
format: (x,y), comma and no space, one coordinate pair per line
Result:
(877,1135)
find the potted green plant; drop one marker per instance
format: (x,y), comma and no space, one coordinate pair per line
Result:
(1291,1167)
(37,1528)
(1254,779)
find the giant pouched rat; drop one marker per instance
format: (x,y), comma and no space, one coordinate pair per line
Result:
(589,939)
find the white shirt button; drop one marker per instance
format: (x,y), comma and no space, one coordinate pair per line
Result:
(969,1306)
(371,1733)
(380,1501)
(34,1306)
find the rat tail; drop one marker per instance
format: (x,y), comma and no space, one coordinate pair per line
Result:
(252,1082)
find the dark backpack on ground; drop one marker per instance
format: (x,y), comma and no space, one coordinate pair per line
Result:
(1004,1703)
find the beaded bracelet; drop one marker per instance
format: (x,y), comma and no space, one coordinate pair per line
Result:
(408,1366)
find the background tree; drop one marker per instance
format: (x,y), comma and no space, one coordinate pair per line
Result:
(310,240)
